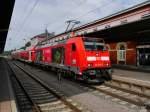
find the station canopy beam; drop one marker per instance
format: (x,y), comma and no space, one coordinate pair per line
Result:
(6,8)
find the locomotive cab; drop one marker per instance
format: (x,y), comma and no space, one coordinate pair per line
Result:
(97,59)
(89,58)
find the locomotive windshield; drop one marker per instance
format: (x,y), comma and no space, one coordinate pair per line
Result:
(91,44)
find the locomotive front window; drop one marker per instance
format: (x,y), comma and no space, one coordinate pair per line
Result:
(94,46)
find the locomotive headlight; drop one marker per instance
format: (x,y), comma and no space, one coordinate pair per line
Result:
(104,58)
(91,58)
(106,63)
(89,65)
(80,73)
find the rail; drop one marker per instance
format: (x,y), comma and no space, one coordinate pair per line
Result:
(37,83)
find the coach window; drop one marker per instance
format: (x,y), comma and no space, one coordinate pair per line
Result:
(73,47)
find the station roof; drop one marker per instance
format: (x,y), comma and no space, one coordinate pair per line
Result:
(6,8)
(130,31)
(120,13)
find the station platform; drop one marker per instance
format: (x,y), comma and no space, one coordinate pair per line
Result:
(145,69)
(7,99)
(132,74)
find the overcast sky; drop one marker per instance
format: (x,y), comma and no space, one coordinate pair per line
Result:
(32,17)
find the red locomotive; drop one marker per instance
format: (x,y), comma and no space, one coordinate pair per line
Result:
(84,58)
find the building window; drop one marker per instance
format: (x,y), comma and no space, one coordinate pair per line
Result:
(121,52)
(121,55)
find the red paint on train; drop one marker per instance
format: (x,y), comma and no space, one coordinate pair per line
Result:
(84,57)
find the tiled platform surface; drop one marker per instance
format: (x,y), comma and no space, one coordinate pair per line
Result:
(143,76)
(7,102)
(145,69)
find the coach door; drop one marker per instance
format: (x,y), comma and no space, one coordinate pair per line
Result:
(39,55)
(30,55)
(73,55)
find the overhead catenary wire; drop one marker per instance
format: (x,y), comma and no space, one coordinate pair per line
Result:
(26,6)
(81,16)
(58,17)
(66,13)
(19,32)
(25,19)
(55,21)
(14,23)
(97,8)
(90,11)
(27,16)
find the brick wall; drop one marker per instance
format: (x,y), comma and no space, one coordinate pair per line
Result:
(130,52)
(113,53)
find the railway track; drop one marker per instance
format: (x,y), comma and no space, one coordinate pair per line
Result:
(130,92)
(34,95)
